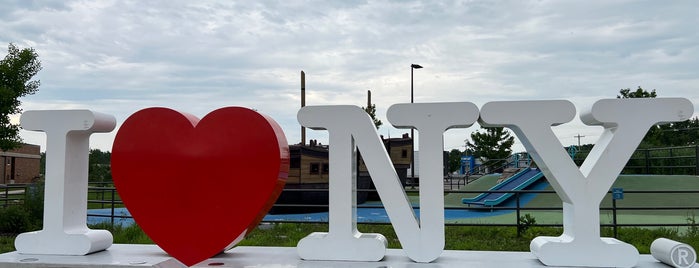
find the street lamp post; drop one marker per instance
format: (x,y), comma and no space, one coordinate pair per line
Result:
(412,130)
(412,67)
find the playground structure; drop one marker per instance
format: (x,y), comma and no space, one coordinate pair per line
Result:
(526,175)
(519,181)
(470,165)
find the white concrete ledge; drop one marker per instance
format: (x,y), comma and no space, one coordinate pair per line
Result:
(120,256)
(116,256)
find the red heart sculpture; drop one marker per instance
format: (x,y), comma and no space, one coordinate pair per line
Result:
(195,187)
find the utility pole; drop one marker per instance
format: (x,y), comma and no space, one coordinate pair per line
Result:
(412,130)
(579,136)
(303,104)
(368,99)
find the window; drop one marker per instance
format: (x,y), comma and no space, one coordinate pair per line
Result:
(295,163)
(326,168)
(404,153)
(315,168)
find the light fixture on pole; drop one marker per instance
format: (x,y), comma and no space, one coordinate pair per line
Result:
(412,67)
(412,130)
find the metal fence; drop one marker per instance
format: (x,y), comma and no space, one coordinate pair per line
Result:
(104,196)
(517,208)
(668,161)
(13,194)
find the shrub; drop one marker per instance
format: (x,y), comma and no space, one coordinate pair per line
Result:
(524,223)
(14,220)
(34,204)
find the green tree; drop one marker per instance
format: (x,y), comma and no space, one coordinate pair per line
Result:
(454,160)
(676,134)
(492,144)
(626,93)
(371,110)
(16,72)
(99,166)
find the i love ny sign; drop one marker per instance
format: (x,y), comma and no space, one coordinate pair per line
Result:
(240,160)
(237,158)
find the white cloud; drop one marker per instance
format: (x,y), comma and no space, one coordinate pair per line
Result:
(122,56)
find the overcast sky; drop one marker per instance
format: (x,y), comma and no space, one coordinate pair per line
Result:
(118,57)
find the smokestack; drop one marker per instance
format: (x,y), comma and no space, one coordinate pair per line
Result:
(368,99)
(303,104)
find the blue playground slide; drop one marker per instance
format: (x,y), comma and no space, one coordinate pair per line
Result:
(519,181)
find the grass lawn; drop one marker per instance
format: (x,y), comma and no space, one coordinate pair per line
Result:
(457,237)
(7,244)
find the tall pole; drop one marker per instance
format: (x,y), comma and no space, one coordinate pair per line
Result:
(303,103)
(412,135)
(578,136)
(368,99)
(411,83)
(412,130)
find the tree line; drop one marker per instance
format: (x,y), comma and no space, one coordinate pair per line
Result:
(494,144)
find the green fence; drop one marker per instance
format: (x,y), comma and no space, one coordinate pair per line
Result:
(666,161)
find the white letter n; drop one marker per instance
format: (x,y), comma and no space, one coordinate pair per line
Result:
(422,241)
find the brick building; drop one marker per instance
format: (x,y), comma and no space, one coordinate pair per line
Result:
(20,165)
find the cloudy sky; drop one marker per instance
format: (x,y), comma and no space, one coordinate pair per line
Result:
(118,57)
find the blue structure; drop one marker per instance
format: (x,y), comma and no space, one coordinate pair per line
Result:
(468,165)
(520,160)
(572,150)
(519,181)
